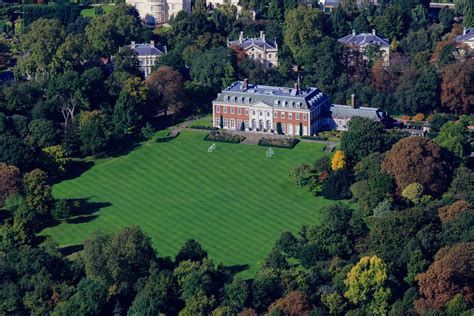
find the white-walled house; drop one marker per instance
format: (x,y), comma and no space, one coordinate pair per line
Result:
(258,48)
(154,12)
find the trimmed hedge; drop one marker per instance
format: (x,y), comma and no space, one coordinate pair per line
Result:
(278,142)
(223,137)
(321,138)
(209,128)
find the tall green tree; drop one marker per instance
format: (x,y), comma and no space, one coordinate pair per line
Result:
(304,28)
(41,44)
(454,137)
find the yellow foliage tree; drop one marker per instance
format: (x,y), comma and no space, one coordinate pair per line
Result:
(367,285)
(338,161)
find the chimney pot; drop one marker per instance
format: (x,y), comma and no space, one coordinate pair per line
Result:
(241,36)
(152,43)
(262,35)
(353,101)
(373,31)
(132,45)
(354,32)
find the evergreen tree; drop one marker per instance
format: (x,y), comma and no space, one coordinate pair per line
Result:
(229,75)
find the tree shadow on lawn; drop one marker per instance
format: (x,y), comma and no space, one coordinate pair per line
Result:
(75,169)
(69,250)
(237,268)
(84,210)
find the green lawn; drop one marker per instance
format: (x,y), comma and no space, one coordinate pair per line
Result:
(90,12)
(203,121)
(235,201)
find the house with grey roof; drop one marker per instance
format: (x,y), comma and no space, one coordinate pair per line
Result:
(147,55)
(362,41)
(467,38)
(258,48)
(261,108)
(337,116)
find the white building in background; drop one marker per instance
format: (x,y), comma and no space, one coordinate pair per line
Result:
(154,12)
(147,55)
(258,48)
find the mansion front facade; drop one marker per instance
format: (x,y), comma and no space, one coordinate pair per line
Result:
(244,106)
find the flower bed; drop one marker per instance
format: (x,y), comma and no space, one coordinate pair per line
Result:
(220,136)
(278,142)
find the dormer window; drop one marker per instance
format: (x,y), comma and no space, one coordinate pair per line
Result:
(235,99)
(249,100)
(242,100)
(228,98)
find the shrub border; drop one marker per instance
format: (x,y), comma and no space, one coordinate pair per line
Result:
(294,142)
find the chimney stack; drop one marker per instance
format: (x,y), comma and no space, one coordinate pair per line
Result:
(464,31)
(353,32)
(152,43)
(262,35)
(241,37)
(353,101)
(132,45)
(246,84)
(296,87)
(373,32)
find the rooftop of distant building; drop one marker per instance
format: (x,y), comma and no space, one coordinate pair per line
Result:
(364,39)
(466,34)
(148,49)
(246,42)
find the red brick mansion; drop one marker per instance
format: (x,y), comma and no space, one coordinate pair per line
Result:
(244,106)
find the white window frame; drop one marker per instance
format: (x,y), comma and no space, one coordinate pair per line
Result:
(225,109)
(232,123)
(225,122)
(231,110)
(239,110)
(290,116)
(282,115)
(298,116)
(304,116)
(218,109)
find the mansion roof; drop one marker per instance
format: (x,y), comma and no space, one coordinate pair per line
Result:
(241,92)
(346,111)
(364,39)
(467,35)
(148,49)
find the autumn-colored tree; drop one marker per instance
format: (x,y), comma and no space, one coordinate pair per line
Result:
(449,212)
(382,79)
(405,118)
(295,303)
(450,273)
(9,181)
(457,87)
(166,89)
(418,160)
(248,312)
(240,54)
(367,283)
(338,160)
(413,192)
(419,117)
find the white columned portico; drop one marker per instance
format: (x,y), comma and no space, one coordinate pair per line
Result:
(261,117)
